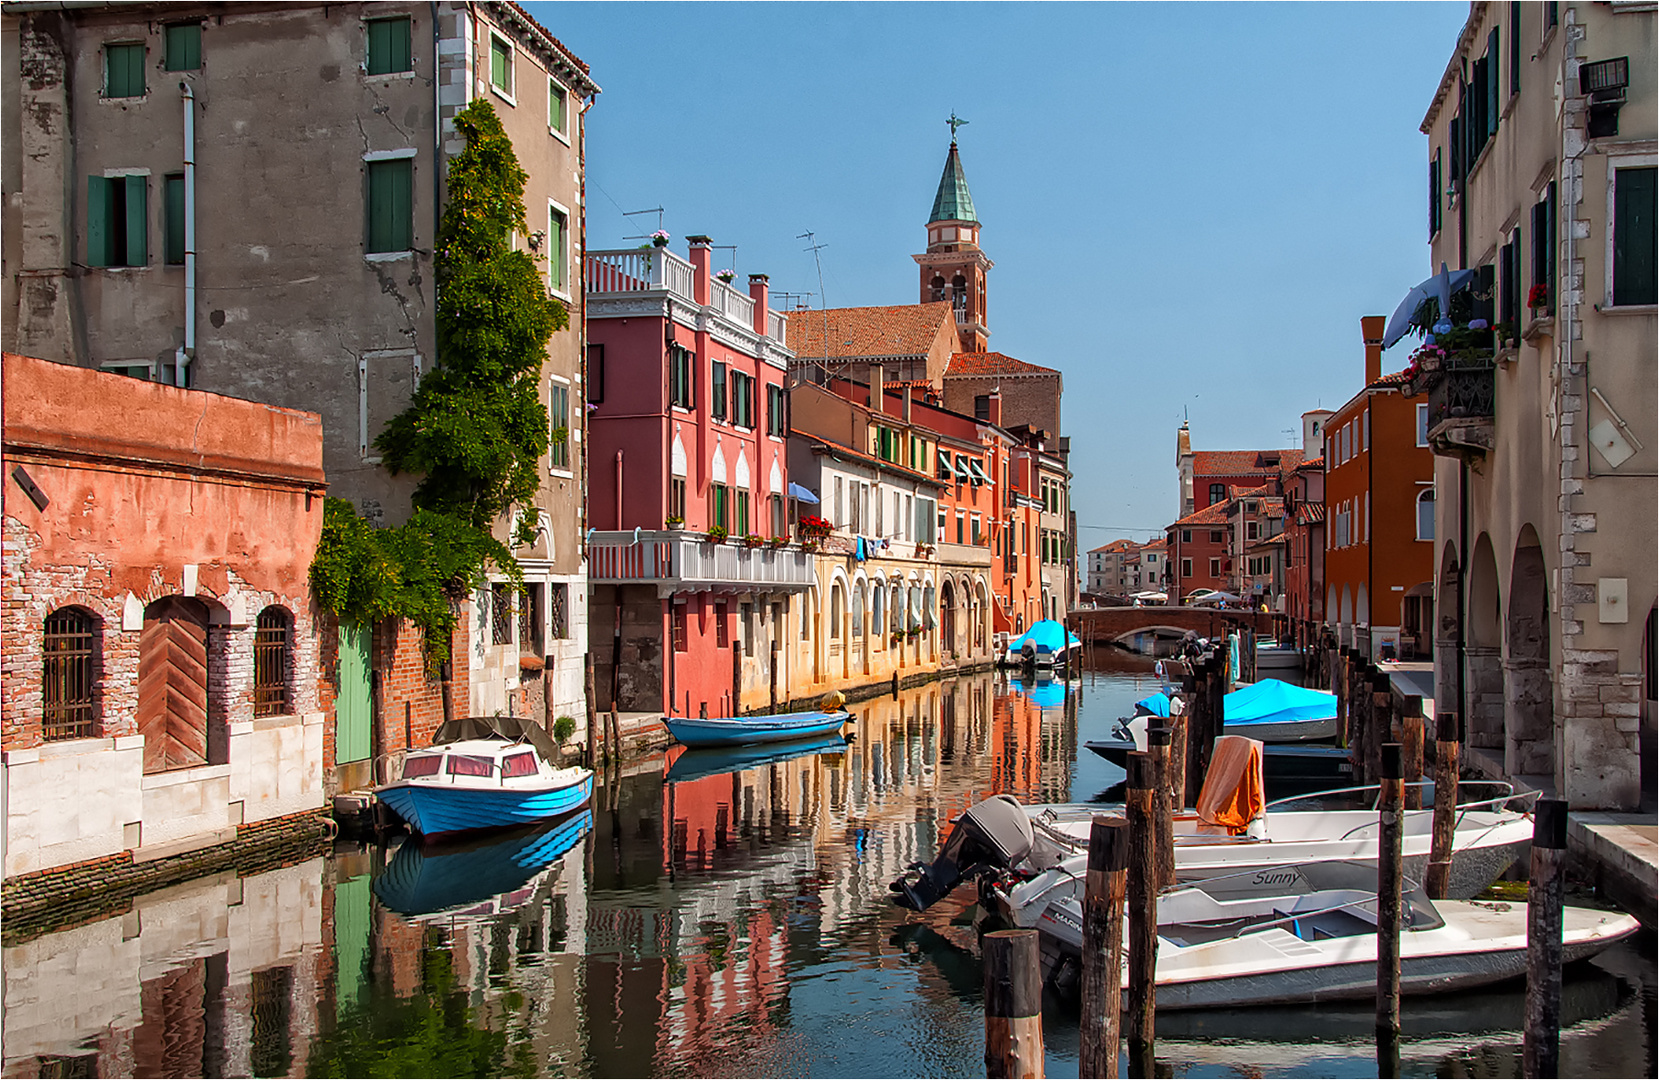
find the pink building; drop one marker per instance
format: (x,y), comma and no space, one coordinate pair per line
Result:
(687,428)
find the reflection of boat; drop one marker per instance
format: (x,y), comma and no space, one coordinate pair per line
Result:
(1032,856)
(1041,692)
(1314,939)
(1048,644)
(696,764)
(424,879)
(740,730)
(484,773)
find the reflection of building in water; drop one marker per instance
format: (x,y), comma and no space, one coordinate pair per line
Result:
(218,977)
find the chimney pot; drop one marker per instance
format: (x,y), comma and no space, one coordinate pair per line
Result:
(760,291)
(1371,329)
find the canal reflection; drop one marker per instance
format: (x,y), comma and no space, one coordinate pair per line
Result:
(707,915)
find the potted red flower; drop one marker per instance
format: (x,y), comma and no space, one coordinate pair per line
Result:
(1538,296)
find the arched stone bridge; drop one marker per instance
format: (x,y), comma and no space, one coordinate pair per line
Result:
(1103,625)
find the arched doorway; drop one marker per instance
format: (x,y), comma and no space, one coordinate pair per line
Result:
(172,684)
(1528,691)
(1483,645)
(947,620)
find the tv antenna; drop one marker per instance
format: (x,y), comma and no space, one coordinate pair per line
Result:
(657,210)
(815,247)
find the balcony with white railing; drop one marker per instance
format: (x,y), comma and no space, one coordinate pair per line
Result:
(731,303)
(622,272)
(678,561)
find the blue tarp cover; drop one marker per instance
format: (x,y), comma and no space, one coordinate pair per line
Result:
(1046,634)
(1273,701)
(1157,705)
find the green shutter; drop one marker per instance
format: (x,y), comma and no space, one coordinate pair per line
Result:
(1492,106)
(555,106)
(500,64)
(124,70)
(389,46)
(184,47)
(1633,236)
(1515,47)
(97,221)
(391,218)
(556,250)
(173,245)
(138,221)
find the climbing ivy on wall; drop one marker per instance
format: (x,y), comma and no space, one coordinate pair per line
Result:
(475,428)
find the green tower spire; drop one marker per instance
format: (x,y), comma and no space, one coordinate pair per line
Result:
(953,203)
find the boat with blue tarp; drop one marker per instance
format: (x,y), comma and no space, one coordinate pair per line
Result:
(1047,644)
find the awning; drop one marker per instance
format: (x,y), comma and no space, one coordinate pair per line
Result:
(962,472)
(943,472)
(801,494)
(979,476)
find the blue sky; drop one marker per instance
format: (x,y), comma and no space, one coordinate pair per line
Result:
(1189,205)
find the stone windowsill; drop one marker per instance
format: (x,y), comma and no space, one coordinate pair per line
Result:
(71,748)
(193,775)
(1539,327)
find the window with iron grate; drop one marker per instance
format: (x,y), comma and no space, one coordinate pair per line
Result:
(70,649)
(529,619)
(272,645)
(501,614)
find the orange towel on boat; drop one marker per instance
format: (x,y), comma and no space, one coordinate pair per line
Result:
(1232,795)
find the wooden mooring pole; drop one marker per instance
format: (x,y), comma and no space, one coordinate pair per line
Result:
(1013,1004)
(1439,876)
(1411,750)
(1179,724)
(1141,998)
(592,709)
(1163,811)
(1100,1015)
(1541,1039)
(1390,845)
(1382,718)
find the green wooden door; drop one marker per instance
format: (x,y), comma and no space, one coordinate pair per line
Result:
(351,708)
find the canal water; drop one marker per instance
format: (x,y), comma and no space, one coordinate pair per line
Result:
(729,918)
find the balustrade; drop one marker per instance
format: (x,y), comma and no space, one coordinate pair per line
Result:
(688,560)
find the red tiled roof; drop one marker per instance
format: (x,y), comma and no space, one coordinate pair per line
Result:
(903,330)
(992,363)
(1312,464)
(1115,545)
(1242,462)
(1210,515)
(1399,378)
(557,45)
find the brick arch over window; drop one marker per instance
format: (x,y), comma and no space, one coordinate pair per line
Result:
(273,662)
(71,676)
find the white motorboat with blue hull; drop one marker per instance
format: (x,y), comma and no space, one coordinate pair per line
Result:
(740,730)
(485,773)
(426,879)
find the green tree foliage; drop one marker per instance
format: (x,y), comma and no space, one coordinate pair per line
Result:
(476,427)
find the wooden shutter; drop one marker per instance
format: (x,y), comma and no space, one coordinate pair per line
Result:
(1515,47)
(184,46)
(173,243)
(138,221)
(172,685)
(97,221)
(389,46)
(1492,106)
(1633,236)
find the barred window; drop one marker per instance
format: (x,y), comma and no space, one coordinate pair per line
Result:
(272,645)
(501,614)
(560,612)
(70,647)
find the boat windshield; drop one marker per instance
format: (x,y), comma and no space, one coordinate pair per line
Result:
(518,765)
(423,765)
(470,765)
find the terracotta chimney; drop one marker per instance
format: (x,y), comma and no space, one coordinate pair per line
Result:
(1371,328)
(760,292)
(878,389)
(993,409)
(909,391)
(700,256)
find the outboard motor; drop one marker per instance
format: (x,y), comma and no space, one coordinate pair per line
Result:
(991,835)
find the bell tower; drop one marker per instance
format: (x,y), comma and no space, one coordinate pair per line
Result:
(953,268)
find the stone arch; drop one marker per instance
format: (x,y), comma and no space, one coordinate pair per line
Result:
(1482,649)
(1528,691)
(981,614)
(1345,613)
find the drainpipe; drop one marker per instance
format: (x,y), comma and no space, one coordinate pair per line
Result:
(186,354)
(438,126)
(619,490)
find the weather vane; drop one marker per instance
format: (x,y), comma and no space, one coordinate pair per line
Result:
(954,124)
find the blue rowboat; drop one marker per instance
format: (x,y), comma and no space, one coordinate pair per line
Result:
(738,730)
(487,778)
(714,760)
(424,879)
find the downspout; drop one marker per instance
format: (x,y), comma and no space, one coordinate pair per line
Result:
(186,354)
(619,489)
(1370,537)
(437,129)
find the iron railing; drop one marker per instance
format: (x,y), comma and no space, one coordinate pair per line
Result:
(1463,392)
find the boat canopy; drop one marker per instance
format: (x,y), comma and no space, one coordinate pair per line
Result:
(1233,793)
(1044,634)
(1276,701)
(510,728)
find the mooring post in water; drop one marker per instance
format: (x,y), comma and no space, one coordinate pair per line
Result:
(1100,1013)
(1179,725)
(1541,1041)
(1163,813)
(1217,717)
(1013,1004)
(1339,686)
(1411,751)
(1439,877)
(592,709)
(1382,717)
(1359,721)
(1141,1001)
(1390,845)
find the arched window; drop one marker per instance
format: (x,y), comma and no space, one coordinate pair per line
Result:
(68,690)
(858,611)
(272,661)
(959,296)
(878,623)
(835,611)
(1425,514)
(938,287)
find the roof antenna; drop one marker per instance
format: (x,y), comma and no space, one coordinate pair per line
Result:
(815,247)
(657,210)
